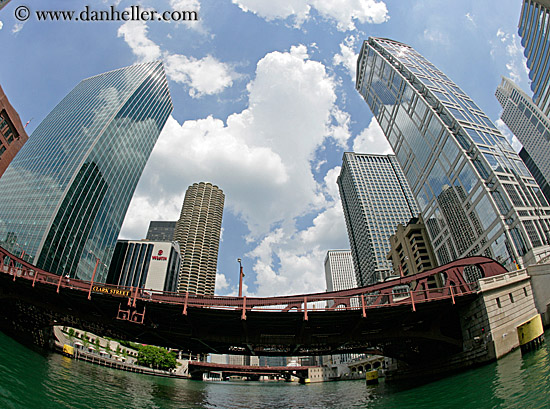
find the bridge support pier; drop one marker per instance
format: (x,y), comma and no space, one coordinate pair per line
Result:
(26,326)
(489,327)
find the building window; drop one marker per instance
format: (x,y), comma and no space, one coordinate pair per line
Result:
(498,303)
(525,291)
(511,298)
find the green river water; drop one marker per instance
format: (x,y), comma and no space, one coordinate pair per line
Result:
(29,379)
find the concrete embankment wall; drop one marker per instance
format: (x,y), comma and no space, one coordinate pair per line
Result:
(489,326)
(508,300)
(540,281)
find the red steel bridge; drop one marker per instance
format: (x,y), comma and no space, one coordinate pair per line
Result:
(408,318)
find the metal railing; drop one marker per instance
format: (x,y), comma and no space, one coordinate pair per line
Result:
(388,294)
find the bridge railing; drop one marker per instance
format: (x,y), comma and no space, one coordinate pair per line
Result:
(454,278)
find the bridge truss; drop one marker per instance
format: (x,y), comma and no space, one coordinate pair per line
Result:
(407,318)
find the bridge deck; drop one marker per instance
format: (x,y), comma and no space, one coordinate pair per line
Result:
(376,318)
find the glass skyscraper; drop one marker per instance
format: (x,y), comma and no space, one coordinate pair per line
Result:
(376,198)
(161,230)
(475,193)
(534,30)
(531,127)
(65,195)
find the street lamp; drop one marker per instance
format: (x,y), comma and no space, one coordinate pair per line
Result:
(241,275)
(20,248)
(93,274)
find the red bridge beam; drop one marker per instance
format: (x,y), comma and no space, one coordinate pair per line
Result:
(361,299)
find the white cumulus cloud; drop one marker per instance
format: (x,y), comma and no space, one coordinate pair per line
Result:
(221,282)
(262,158)
(342,12)
(135,35)
(372,140)
(17,28)
(203,76)
(347,56)
(516,64)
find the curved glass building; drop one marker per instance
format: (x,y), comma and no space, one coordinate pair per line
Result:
(65,195)
(534,30)
(474,192)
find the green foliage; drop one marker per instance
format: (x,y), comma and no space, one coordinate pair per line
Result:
(97,344)
(71,333)
(156,357)
(85,339)
(129,344)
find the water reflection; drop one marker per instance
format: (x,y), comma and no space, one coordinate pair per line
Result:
(32,380)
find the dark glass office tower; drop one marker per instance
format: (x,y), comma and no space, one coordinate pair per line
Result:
(475,193)
(161,230)
(537,174)
(531,127)
(66,193)
(534,25)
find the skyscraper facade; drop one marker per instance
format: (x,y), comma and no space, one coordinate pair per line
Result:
(153,265)
(12,132)
(475,193)
(534,26)
(411,251)
(161,230)
(198,234)
(66,193)
(537,174)
(531,127)
(339,272)
(376,198)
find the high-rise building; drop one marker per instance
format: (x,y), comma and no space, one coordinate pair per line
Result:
(376,198)
(537,174)
(534,25)
(153,265)
(411,251)
(474,192)
(161,230)
(66,192)
(272,360)
(3,3)
(12,132)
(198,233)
(531,127)
(339,272)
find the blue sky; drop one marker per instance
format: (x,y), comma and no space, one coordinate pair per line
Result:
(264,106)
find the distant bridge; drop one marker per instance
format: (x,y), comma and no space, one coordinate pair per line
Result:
(196,369)
(403,318)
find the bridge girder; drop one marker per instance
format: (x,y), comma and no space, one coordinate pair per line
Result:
(425,325)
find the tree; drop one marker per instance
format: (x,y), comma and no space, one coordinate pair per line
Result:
(85,339)
(97,346)
(156,357)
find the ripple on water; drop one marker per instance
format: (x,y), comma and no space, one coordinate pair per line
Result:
(32,380)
